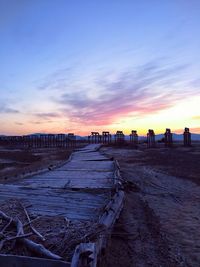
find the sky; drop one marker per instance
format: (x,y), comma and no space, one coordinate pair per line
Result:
(99,65)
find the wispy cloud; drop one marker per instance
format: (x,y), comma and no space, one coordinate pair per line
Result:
(56,80)
(145,90)
(47,115)
(7,110)
(41,122)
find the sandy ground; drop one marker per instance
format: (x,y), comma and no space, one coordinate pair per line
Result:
(159,225)
(17,163)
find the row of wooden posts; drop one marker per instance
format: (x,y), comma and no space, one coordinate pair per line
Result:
(70,140)
(119,138)
(39,141)
(168,138)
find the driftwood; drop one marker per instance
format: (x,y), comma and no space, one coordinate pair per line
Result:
(31,221)
(18,237)
(32,228)
(6,226)
(85,255)
(34,247)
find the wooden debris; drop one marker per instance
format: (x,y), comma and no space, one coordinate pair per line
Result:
(96,180)
(36,248)
(32,228)
(19,261)
(85,255)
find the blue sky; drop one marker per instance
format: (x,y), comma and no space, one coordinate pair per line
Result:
(94,65)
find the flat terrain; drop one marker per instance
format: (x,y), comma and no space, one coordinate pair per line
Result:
(159,225)
(16,163)
(67,202)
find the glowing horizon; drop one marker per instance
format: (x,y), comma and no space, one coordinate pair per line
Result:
(82,67)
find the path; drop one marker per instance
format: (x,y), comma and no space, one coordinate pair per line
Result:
(79,189)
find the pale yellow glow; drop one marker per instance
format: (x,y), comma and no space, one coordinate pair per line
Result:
(183,114)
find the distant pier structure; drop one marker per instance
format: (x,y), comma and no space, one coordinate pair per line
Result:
(151,139)
(40,141)
(106,138)
(72,139)
(119,137)
(134,138)
(187,137)
(168,138)
(94,138)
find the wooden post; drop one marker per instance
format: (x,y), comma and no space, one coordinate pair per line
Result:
(187,137)
(95,138)
(106,137)
(151,139)
(71,139)
(119,138)
(134,138)
(168,138)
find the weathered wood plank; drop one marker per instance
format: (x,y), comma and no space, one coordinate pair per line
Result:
(97,165)
(85,255)
(72,179)
(22,261)
(50,193)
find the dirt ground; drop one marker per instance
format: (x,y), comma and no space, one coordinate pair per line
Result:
(17,163)
(159,225)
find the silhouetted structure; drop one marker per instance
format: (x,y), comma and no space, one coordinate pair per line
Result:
(119,137)
(134,138)
(187,137)
(106,138)
(168,138)
(39,141)
(72,139)
(94,138)
(151,139)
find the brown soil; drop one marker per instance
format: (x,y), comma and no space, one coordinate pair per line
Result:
(178,161)
(160,220)
(16,163)
(137,239)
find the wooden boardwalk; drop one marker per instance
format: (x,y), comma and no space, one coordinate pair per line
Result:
(68,190)
(86,187)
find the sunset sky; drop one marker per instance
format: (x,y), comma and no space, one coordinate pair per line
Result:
(77,66)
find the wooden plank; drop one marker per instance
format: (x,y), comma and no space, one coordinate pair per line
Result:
(108,219)
(113,209)
(79,165)
(85,255)
(50,193)
(78,179)
(75,205)
(23,261)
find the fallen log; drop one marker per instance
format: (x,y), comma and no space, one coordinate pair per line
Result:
(32,246)
(32,228)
